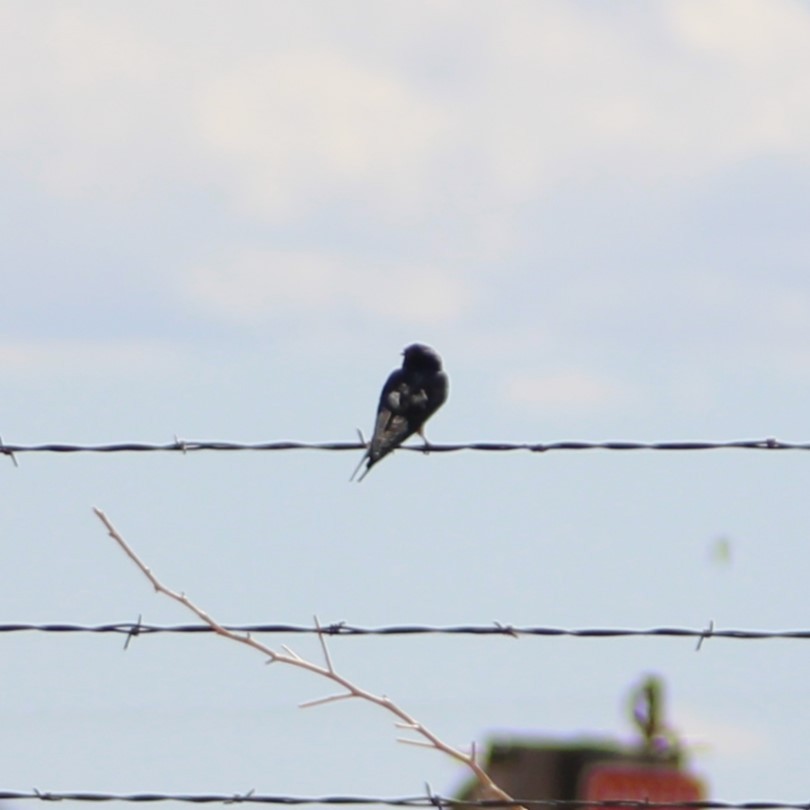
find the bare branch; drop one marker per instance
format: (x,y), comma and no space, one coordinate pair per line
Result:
(287,656)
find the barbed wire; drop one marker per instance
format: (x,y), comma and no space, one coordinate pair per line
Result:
(430,800)
(186,446)
(343,629)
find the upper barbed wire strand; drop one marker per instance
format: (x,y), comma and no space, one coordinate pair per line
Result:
(189,446)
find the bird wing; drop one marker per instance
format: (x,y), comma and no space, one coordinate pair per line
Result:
(399,404)
(435,389)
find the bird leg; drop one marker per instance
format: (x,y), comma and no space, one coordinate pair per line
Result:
(421,432)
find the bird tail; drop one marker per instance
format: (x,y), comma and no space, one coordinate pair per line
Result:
(366,457)
(357,468)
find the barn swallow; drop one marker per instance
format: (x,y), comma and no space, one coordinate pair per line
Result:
(410,396)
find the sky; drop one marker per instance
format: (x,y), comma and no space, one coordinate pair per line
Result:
(224,222)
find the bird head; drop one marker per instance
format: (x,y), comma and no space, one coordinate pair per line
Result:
(419,357)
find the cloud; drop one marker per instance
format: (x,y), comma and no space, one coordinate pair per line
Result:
(741,31)
(566,390)
(298,126)
(88,102)
(523,98)
(263,286)
(77,357)
(671,94)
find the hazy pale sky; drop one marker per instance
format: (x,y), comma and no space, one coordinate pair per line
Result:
(224,221)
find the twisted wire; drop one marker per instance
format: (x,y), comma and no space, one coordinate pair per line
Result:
(343,629)
(431,800)
(183,446)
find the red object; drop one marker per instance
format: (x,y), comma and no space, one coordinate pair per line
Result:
(653,783)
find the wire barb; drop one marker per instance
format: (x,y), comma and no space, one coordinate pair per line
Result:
(506,629)
(434,799)
(240,797)
(7,451)
(707,633)
(134,631)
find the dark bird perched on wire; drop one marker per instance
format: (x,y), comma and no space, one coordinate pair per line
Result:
(410,396)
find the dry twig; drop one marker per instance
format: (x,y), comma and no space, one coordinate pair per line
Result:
(425,737)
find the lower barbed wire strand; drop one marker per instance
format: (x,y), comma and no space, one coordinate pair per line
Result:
(342,629)
(433,800)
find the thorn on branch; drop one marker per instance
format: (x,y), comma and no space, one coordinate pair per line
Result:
(324,648)
(308,704)
(417,743)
